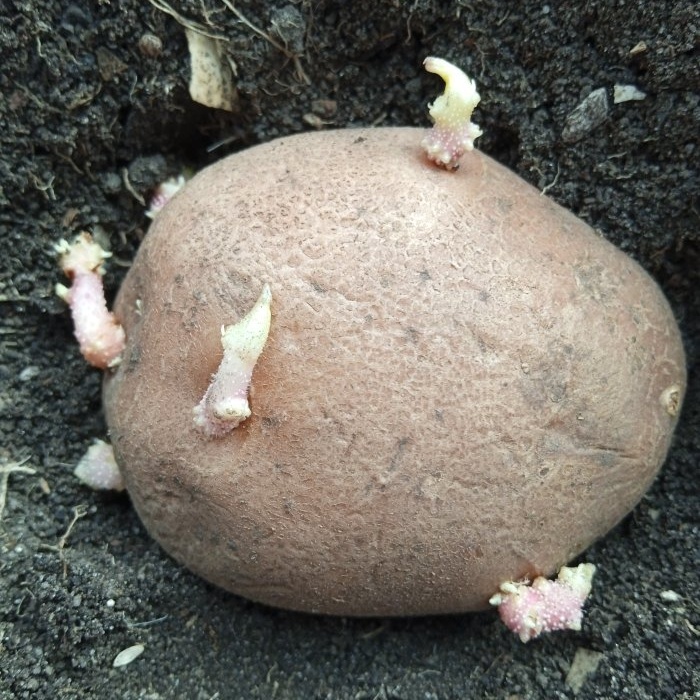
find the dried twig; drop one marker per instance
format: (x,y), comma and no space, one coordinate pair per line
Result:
(79,512)
(548,187)
(183,21)
(280,47)
(5,471)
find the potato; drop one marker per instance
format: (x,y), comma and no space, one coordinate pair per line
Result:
(463,384)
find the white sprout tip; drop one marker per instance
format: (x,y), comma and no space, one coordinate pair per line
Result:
(460,97)
(247,338)
(81,256)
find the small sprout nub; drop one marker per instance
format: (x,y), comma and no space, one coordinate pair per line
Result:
(163,194)
(225,403)
(453,132)
(98,468)
(100,336)
(545,606)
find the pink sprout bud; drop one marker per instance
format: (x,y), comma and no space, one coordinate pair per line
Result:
(225,403)
(163,194)
(453,132)
(98,468)
(100,337)
(545,606)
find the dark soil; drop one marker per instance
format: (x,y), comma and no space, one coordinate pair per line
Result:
(95,111)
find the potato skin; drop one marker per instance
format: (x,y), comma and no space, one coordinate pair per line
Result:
(463,383)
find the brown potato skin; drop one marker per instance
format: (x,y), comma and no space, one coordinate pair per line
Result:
(463,383)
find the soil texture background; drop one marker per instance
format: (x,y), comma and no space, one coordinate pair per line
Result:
(95,111)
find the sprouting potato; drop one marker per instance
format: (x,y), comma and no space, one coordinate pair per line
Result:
(463,384)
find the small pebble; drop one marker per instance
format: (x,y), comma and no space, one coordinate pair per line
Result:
(126,656)
(28,373)
(150,45)
(626,93)
(591,113)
